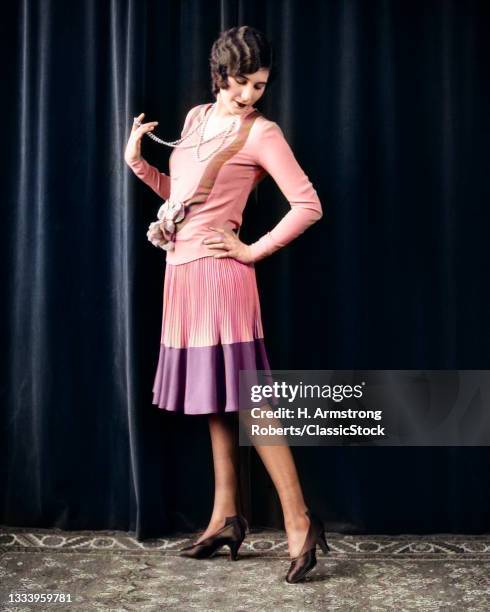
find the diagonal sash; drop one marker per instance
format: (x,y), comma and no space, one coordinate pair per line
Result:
(208,178)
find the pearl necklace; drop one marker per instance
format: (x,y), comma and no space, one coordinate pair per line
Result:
(177,144)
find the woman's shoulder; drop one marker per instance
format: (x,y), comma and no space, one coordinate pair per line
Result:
(263,127)
(192,114)
(194,111)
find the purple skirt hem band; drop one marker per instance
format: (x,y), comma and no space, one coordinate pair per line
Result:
(205,380)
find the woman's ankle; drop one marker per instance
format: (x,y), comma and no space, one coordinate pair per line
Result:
(219,517)
(296,518)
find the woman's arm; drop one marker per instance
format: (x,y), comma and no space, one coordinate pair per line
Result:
(158,181)
(274,154)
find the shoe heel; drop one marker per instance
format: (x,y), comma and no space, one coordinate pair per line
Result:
(234,546)
(323,543)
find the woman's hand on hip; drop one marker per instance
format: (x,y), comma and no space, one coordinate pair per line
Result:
(230,246)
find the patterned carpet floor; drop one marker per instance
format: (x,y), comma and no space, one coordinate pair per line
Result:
(113,571)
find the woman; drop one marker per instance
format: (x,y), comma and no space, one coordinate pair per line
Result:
(211,325)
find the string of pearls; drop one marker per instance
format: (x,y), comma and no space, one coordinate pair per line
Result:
(177,144)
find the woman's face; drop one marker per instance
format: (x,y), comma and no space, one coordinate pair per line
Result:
(245,89)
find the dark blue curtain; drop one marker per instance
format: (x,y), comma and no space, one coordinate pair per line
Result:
(385,104)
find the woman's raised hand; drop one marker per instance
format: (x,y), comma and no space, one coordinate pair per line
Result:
(133,147)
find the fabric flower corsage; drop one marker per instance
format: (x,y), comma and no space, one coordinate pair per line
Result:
(161,233)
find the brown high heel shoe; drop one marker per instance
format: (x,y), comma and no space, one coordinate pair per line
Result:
(306,560)
(231,534)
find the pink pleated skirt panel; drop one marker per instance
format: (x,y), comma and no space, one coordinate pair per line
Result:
(211,329)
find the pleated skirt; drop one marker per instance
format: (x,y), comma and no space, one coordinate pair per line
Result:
(211,329)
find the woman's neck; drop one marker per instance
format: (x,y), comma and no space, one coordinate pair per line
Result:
(220,112)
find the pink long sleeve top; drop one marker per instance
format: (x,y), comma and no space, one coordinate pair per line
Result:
(215,191)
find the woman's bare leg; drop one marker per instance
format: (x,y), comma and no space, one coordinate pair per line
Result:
(224,441)
(279,462)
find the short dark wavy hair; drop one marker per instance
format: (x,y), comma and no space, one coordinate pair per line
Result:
(241,50)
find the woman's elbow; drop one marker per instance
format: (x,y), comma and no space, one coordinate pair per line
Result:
(318,213)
